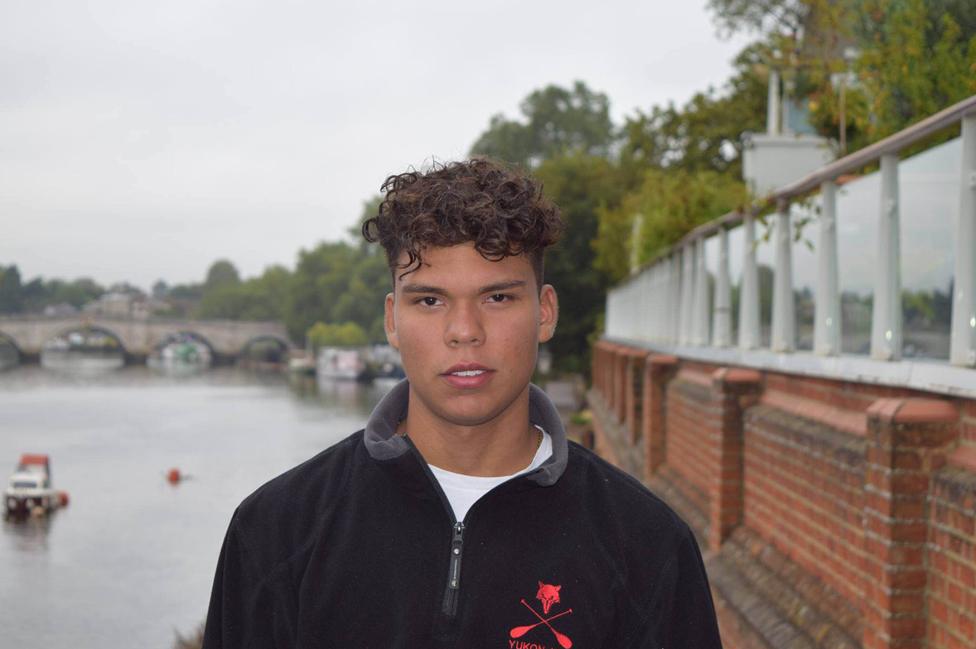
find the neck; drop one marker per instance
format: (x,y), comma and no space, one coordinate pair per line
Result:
(501,446)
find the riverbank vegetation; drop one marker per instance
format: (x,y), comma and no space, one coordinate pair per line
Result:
(627,191)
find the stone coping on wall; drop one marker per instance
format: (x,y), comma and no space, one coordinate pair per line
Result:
(929,376)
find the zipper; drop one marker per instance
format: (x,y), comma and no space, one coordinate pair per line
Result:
(454,571)
(451,592)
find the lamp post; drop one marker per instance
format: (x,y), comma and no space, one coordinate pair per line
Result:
(849,55)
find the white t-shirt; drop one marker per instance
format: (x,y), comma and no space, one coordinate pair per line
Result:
(462,491)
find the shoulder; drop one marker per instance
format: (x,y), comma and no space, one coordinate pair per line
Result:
(643,541)
(627,506)
(280,515)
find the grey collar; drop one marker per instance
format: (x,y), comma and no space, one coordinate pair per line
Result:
(382,442)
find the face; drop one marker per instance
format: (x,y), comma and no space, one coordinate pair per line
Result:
(468,331)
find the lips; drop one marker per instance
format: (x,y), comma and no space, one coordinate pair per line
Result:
(467,376)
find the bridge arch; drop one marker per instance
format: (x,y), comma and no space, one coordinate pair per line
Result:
(265,348)
(89,337)
(10,352)
(184,335)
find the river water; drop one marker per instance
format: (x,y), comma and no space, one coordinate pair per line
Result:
(131,560)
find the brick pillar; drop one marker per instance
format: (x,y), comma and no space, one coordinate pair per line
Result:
(596,369)
(619,382)
(608,363)
(907,439)
(634,360)
(658,370)
(604,377)
(731,391)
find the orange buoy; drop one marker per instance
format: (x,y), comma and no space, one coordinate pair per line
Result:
(63,499)
(174,476)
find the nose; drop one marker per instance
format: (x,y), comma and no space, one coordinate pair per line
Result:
(464,326)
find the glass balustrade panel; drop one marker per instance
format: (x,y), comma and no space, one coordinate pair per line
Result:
(858,210)
(805,241)
(929,189)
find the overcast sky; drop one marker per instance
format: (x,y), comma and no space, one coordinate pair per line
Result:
(144,140)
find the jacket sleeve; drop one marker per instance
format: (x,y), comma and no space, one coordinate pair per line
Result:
(682,615)
(236,618)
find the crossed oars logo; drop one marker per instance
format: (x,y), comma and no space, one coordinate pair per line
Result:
(561,638)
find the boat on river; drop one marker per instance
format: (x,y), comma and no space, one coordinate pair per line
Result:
(29,489)
(339,363)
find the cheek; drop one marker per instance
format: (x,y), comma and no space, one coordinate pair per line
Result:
(409,340)
(520,342)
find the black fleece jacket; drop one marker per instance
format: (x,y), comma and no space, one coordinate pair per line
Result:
(358,547)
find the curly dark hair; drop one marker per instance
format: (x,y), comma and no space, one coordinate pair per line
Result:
(482,201)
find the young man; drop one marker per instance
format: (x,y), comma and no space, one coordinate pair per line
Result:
(461,516)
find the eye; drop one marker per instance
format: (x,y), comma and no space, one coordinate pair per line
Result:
(498,298)
(427,300)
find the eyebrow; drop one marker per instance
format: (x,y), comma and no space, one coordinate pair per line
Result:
(490,288)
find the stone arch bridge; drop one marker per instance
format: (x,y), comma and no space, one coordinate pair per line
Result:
(139,337)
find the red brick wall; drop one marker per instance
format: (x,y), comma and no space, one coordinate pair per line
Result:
(804,494)
(965,454)
(867,492)
(952,560)
(691,422)
(968,428)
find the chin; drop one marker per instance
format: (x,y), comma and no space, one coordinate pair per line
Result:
(468,417)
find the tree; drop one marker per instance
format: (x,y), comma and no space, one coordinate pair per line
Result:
(11,298)
(362,301)
(259,298)
(670,202)
(159,289)
(911,58)
(704,134)
(221,273)
(320,279)
(557,121)
(580,185)
(346,334)
(914,62)
(371,208)
(770,16)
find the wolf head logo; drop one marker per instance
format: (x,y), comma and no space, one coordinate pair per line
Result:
(548,594)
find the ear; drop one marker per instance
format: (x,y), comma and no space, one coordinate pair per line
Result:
(541,584)
(389,322)
(548,312)
(558,587)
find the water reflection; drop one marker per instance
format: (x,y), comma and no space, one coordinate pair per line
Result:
(132,557)
(8,354)
(181,353)
(85,349)
(28,534)
(929,214)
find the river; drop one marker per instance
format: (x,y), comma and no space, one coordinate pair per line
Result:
(130,561)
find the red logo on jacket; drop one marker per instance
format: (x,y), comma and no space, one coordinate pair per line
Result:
(548,594)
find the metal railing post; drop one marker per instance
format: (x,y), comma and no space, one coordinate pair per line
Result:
(643,291)
(784,312)
(826,324)
(772,103)
(886,316)
(667,303)
(674,314)
(749,289)
(722,327)
(701,315)
(687,293)
(659,299)
(962,347)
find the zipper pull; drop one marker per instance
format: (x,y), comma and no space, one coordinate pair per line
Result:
(453,572)
(456,542)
